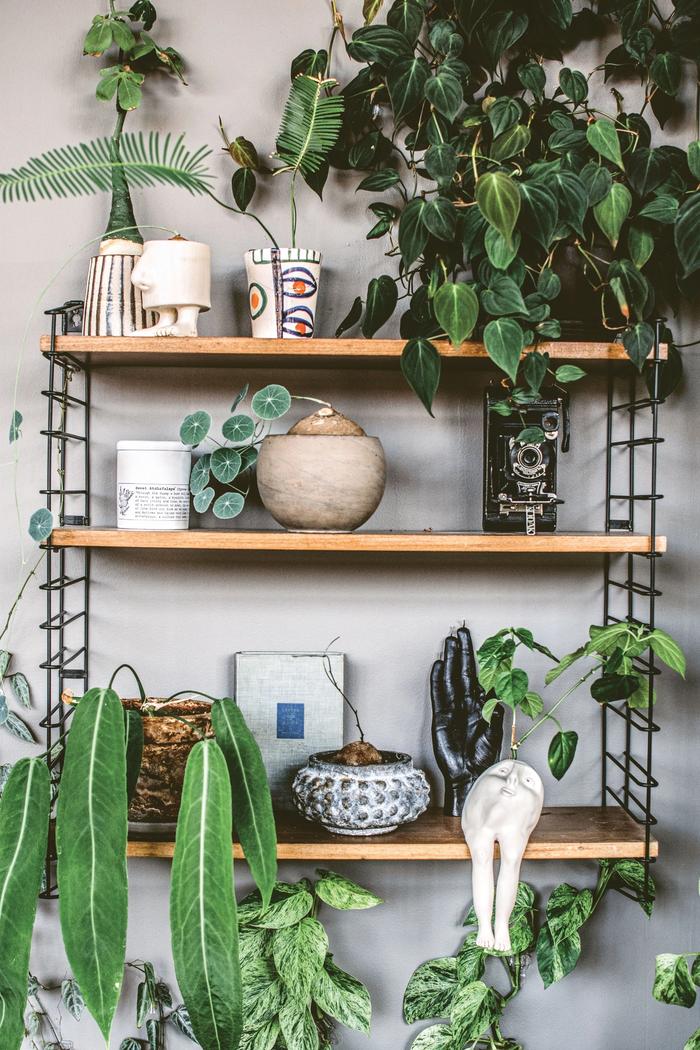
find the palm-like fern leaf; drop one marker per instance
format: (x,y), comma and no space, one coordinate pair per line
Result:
(311,123)
(146,160)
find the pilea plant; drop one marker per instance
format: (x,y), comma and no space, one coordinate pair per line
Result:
(231,461)
(464,989)
(515,202)
(611,653)
(293,991)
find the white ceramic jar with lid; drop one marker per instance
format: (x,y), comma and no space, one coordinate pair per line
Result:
(153,485)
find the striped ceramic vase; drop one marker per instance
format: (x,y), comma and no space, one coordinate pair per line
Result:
(112,304)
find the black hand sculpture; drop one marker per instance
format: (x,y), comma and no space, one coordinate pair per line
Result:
(464,744)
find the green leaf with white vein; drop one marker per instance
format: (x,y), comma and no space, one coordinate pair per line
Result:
(556,959)
(20,687)
(298,1028)
(229,505)
(342,893)
(40,525)
(195,428)
(225,465)
(253,817)
(199,476)
(456,309)
(72,998)
(498,197)
(421,367)
(264,1038)
(504,343)
(202,501)
(437,1037)
(667,650)
(431,990)
(14,725)
(271,402)
(5,658)
(474,1009)
(611,212)
(342,997)
(299,952)
(672,981)
(91,834)
(203,923)
(24,823)
(602,136)
(238,429)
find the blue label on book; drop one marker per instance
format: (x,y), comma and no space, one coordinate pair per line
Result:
(290,721)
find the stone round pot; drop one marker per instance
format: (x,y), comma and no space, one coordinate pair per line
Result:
(361,800)
(321,483)
(168,738)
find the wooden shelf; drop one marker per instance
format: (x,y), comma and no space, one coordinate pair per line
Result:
(563,833)
(218,351)
(366,542)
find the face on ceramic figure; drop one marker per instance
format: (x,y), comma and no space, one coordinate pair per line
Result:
(174,273)
(513,779)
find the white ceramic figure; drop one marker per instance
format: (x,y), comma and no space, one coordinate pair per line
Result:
(503,806)
(283,291)
(174,278)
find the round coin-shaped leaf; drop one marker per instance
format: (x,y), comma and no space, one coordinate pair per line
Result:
(225,464)
(41,524)
(271,402)
(238,428)
(202,501)
(195,428)
(229,505)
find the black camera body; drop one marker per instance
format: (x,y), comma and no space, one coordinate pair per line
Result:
(520,478)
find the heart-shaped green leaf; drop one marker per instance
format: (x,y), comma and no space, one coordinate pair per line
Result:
(406,79)
(498,197)
(504,342)
(421,366)
(456,308)
(602,136)
(382,296)
(444,93)
(611,212)
(687,234)
(562,750)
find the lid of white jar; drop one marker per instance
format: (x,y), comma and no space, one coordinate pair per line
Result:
(152,446)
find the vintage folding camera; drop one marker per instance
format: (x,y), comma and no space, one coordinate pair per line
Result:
(520,478)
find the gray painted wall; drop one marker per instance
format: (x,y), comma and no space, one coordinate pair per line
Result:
(180,619)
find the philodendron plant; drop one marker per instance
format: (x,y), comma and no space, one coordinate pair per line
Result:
(293,990)
(506,177)
(233,458)
(462,990)
(611,654)
(676,980)
(225,781)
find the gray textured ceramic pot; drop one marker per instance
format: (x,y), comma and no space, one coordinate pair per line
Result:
(321,483)
(361,800)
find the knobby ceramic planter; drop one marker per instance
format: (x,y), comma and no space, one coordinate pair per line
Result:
(321,483)
(113,305)
(283,291)
(361,800)
(168,738)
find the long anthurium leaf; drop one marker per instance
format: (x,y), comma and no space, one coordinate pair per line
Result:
(91,836)
(24,825)
(203,921)
(311,123)
(253,818)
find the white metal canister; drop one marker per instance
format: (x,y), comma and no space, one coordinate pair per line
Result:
(153,485)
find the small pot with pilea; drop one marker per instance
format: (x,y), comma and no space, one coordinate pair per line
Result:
(360,790)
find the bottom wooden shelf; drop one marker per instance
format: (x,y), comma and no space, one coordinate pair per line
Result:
(563,833)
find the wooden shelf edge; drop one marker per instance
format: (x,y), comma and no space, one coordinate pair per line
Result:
(564,833)
(359,542)
(233,346)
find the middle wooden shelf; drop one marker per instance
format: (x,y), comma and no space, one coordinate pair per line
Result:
(427,542)
(563,833)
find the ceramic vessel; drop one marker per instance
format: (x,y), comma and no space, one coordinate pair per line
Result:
(361,800)
(153,485)
(174,279)
(113,305)
(169,734)
(283,291)
(321,483)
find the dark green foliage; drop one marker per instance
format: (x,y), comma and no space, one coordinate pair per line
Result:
(512,169)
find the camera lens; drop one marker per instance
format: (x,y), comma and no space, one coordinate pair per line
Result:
(550,421)
(530,456)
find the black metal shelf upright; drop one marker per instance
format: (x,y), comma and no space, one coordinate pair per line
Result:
(632,443)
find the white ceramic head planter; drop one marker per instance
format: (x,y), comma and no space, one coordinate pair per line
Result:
(503,806)
(174,278)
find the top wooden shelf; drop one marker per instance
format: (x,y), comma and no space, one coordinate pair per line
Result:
(218,350)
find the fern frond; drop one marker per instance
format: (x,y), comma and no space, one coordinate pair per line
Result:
(310,126)
(73,171)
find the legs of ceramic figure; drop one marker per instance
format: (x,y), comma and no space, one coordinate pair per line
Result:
(174,320)
(507,889)
(481,849)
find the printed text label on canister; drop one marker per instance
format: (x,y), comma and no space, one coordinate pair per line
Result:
(153,485)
